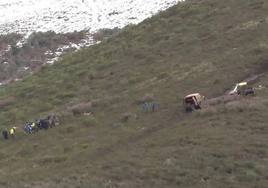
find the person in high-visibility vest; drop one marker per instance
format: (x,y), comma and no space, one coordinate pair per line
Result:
(33,126)
(12,131)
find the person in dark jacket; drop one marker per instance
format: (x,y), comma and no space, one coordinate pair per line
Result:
(5,134)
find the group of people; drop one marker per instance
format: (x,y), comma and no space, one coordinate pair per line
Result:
(32,127)
(149,107)
(9,133)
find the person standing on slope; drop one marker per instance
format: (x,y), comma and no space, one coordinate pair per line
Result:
(5,134)
(34,127)
(12,132)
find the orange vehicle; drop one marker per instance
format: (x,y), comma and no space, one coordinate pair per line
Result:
(193,102)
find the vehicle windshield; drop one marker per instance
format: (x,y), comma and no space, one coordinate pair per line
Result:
(189,100)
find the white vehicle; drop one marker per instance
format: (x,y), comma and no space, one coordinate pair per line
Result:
(242,88)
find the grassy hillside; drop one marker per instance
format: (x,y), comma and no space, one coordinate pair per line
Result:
(197,46)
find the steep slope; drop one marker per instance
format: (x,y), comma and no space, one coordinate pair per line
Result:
(20,56)
(203,46)
(33,33)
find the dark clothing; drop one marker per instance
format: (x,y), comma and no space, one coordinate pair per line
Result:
(5,134)
(43,124)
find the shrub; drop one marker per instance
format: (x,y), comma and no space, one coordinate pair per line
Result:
(88,121)
(52,159)
(104,34)
(82,108)
(126,116)
(70,129)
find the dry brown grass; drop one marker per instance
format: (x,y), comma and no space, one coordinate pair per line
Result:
(82,108)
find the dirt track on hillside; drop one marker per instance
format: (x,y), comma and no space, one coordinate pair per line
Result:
(226,97)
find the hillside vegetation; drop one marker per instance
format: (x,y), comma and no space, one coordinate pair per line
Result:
(20,57)
(201,46)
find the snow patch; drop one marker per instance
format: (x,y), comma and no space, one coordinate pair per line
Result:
(61,16)
(55,56)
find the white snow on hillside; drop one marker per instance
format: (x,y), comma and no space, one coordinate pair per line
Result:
(26,16)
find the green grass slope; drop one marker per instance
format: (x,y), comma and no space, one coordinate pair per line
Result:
(197,46)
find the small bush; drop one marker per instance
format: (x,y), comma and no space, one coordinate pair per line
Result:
(52,159)
(67,149)
(104,34)
(82,108)
(125,117)
(84,146)
(88,121)
(70,129)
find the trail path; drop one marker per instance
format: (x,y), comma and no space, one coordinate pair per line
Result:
(226,97)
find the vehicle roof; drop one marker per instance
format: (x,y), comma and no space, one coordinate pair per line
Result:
(192,95)
(242,83)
